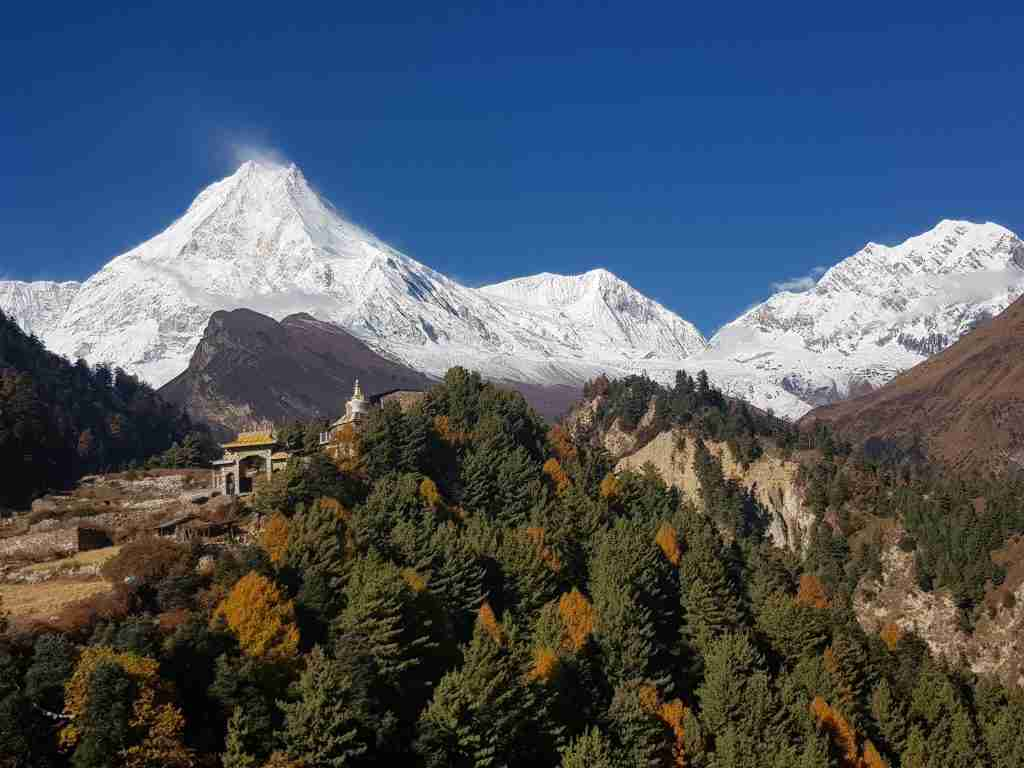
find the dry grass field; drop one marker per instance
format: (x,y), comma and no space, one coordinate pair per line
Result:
(45,600)
(92,557)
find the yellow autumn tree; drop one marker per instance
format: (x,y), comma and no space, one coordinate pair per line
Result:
(274,538)
(871,758)
(667,540)
(891,635)
(577,616)
(609,487)
(429,494)
(156,724)
(261,617)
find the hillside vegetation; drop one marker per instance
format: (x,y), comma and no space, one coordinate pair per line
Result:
(61,420)
(469,588)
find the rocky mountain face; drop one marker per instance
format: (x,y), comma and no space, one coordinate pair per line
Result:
(771,480)
(249,368)
(996,645)
(262,239)
(36,307)
(966,403)
(875,314)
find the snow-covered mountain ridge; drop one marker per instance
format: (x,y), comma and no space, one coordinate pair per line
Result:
(263,239)
(877,313)
(36,306)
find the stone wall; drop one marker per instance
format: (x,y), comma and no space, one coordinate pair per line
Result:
(58,542)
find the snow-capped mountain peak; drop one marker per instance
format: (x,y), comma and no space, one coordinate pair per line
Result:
(264,239)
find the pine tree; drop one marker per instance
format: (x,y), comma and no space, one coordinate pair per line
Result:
(589,750)
(105,720)
(479,490)
(379,621)
(53,662)
(852,676)
(638,732)
(627,573)
(792,629)
(528,580)
(318,540)
(484,713)
(241,734)
(415,443)
(331,723)
(730,665)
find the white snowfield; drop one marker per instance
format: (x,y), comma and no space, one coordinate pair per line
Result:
(264,239)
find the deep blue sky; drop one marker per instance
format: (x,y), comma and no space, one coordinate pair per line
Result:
(700,151)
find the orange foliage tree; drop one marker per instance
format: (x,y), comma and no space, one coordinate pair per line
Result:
(261,617)
(577,618)
(671,713)
(490,623)
(545,665)
(553,470)
(667,540)
(844,737)
(536,534)
(812,592)
(561,443)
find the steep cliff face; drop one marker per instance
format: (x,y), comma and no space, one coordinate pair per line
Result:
(771,480)
(995,647)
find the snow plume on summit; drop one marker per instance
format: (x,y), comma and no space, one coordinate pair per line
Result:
(263,239)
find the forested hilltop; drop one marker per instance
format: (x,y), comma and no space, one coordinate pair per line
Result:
(59,421)
(467,587)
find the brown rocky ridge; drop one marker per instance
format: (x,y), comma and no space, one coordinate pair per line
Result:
(965,404)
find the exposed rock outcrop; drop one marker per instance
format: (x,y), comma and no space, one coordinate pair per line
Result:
(996,647)
(771,480)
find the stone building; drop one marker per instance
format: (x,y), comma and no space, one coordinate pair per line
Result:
(247,457)
(356,410)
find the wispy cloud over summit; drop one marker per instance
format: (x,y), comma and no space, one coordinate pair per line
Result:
(801,283)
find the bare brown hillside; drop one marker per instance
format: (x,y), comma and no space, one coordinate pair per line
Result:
(966,403)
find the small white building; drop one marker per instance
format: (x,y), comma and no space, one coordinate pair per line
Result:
(356,410)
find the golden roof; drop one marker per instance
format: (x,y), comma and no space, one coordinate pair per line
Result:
(249,439)
(279,455)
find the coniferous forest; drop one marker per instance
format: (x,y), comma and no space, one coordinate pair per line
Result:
(61,420)
(465,586)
